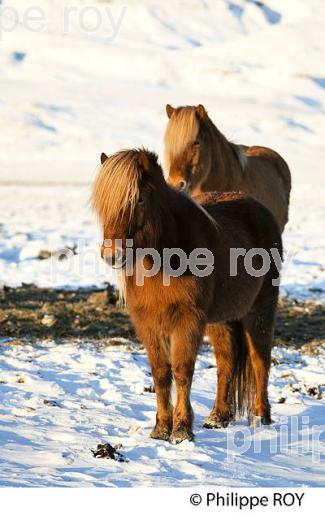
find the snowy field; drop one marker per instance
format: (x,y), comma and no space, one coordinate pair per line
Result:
(57,402)
(67,94)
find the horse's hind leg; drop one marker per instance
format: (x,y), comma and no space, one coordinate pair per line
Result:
(223,342)
(258,326)
(162,376)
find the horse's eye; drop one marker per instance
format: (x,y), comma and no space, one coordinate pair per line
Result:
(140,201)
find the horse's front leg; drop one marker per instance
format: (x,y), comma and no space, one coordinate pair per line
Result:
(185,342)
(162,376)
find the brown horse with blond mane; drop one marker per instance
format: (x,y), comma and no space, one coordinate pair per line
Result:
(199,158)
(133,201)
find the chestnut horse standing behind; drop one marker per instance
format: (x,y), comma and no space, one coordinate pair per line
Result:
(199,159)
(133,201)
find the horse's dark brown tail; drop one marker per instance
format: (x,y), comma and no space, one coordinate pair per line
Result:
(242,392)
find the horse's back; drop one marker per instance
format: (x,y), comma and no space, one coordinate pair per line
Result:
(238,212)
(210,198)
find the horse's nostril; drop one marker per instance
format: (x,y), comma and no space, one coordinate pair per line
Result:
(182,185)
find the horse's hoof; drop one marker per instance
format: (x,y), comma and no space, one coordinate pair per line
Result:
(179,436)
(215,423)
(160,433)
(261,420)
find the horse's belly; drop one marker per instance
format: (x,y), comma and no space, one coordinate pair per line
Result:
(230,303)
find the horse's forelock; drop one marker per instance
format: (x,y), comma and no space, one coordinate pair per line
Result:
(182,129)
(116,187)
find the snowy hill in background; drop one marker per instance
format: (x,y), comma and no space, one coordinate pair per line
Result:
(69,92)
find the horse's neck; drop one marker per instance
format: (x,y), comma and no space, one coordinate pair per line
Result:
(225,169)
(187,227)
(191,226)
(179,221)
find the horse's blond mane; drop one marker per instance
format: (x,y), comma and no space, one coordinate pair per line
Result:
(116,187)
(182,129)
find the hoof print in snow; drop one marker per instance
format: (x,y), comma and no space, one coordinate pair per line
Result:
(107,451)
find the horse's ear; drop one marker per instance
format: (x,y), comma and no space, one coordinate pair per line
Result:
(103,158)
(169,110)
(200,111)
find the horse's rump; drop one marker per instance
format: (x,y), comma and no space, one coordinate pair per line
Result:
(270,155)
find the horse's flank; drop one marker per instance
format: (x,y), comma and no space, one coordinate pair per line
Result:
(225,166)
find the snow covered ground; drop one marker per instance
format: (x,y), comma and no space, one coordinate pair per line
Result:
(58,401)
(67,94)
